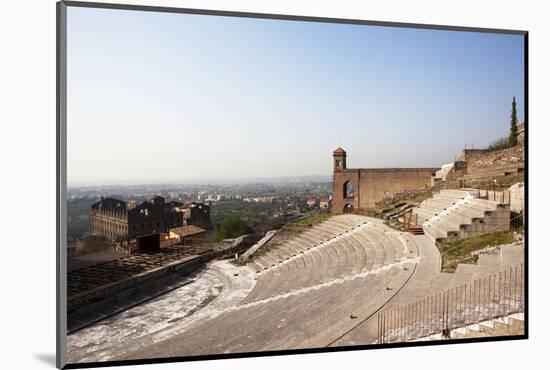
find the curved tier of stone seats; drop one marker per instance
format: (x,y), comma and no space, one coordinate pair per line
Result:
(366,249)
(306,240)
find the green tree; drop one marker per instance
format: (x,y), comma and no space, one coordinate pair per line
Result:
(513,140)
(231,227)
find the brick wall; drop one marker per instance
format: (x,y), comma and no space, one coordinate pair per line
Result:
(373,185)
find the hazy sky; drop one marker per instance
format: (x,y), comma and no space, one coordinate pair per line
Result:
(174,97)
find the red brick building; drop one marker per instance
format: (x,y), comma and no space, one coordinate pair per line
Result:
(360,188)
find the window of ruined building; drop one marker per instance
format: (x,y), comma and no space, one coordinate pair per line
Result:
(349,191)
(338,163)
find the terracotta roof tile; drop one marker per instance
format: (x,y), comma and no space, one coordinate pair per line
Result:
(188,230)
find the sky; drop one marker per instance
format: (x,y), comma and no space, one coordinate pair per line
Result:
(160,97)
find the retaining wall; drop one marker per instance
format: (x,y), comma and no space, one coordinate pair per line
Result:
(481,159)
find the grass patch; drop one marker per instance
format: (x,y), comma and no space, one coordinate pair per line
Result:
(520,230)
(395,224)
(421,197)
(314,219)
(265,248)
(376,213)
(461,251)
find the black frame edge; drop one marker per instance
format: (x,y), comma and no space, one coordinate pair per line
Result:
(227,13)
(526,179)
(61,185)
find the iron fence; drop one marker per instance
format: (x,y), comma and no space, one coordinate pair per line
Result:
(517,221)
(502,197)
(498,294)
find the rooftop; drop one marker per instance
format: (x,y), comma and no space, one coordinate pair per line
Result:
(189,230)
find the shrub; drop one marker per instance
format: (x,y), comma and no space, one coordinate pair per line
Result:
(499,144)
(231,227)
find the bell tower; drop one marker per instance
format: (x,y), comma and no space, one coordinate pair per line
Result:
(339,159)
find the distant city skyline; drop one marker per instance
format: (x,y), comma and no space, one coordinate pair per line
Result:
(178,98)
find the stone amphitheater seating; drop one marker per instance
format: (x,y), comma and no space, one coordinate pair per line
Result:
(493,171)
(324,287)
(340,247)
(289,308)
(456,214)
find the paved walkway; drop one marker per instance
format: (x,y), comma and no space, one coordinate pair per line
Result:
(90,314)
(163,317)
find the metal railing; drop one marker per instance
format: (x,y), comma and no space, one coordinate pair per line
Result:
(410,220)
(496,194)
(502,197)
(517,221)
(498,294)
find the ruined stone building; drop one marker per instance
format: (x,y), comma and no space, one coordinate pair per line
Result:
(119,221)
(361,188)
(197,214)
(114,219)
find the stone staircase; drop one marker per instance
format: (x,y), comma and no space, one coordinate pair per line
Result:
(416,229)
(456,214)
(513,324)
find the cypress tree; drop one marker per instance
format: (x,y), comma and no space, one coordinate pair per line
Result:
(513,140)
